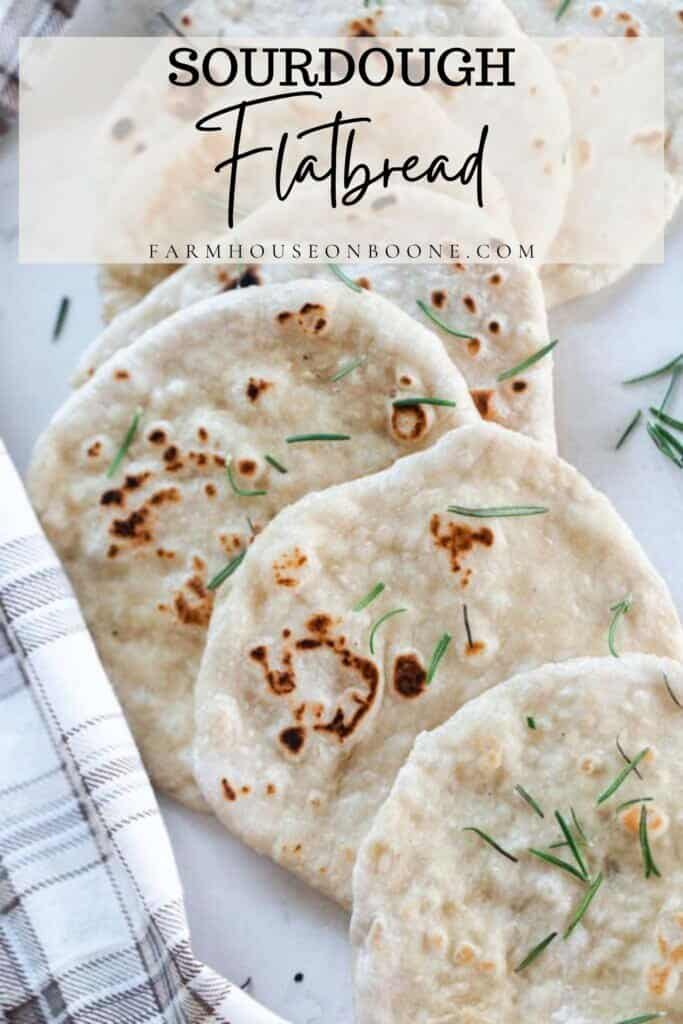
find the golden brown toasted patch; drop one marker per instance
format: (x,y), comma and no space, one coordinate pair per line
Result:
(458,539)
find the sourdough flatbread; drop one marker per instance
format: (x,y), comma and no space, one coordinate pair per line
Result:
(586,206)
(498,307)
(229,379)
(301,729)
(442,921)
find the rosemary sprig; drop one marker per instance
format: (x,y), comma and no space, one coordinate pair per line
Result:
(240,491)
(630,803)
(644,1018)
(632,426)
(549,858)
(61,317)
(583,906)
(623,774)
(491,842)
(369,597)
(125,444)
(663,445)
(468,631)
(404,403)
(431,315)
(573,846)
(673,696)
(438,654)
(338,272)
(562,9)
(535,952)
(526,363)
(347,369)
(618,609)
(648,860)
(669,420)
(659,372)
(272,461)
(531,721)
(299,438)
(625,756)
(530,800)
(499,512)
(378,623)
(226,571)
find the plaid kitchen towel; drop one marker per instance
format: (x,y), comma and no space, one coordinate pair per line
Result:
(92,922)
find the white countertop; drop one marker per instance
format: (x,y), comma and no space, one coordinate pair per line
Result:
(248,917)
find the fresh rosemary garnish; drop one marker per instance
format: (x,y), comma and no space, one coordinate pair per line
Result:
(531,721)
(468,631)
(631,803)
(677,361)
(665,448)
(632,425)
(226,571)
(625,756)
(240,491)
(438,654)
(61,317)
(648,860)
(530,800)
(298,438)
(500,512)
(644,1018)
(167,21)
(549,858)
(338,272)
(125,444)
(571,842)
(491,842)
(618,609)
(347,369)
(562,9)
(526,363)
(670,691)
(536,951)
(583,838)
(623,774)
(272,461)
(431,315)
(378,623)
(369,597)
(583,906)
(405,403)
(673,381)
(669,420)
(669,438)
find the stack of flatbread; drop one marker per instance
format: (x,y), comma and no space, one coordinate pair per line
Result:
(356,606)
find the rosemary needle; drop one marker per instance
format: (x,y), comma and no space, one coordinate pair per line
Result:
(535,952)
(240,491)
(664,447)
(673,696)
(562,9)
(549,858)
(583,905)
(438,654)
(625,756)
(491,842)
(672,441)
(369,597)
(61,317)
(298,438)
(669,420)
(631,803)
(648,860)
(431,315)
(632,425)
(500,512)
(526,363)
(571,842)
(405,403)
(227,571)
(614,786)
(272,461)
(644,1018)
(125,444)
(531,721)
(347,369)
(530,800)
(677,361)
(338,272)
(673,381)
(618,609)
(378,623)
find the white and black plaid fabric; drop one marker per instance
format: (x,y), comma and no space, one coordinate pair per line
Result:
(92,923)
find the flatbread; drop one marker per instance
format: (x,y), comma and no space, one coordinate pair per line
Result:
(499,307)
(604,18)
(124,285)
(441,920)
(230,378)
(301,730)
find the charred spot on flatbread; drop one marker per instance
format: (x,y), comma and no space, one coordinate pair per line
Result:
(280,681)
(293,738)
(256,387)
(410,678)
(408,422)
(193,604)
(228,792)
(458,539)
(285,568)
(483,399)
(114,496)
